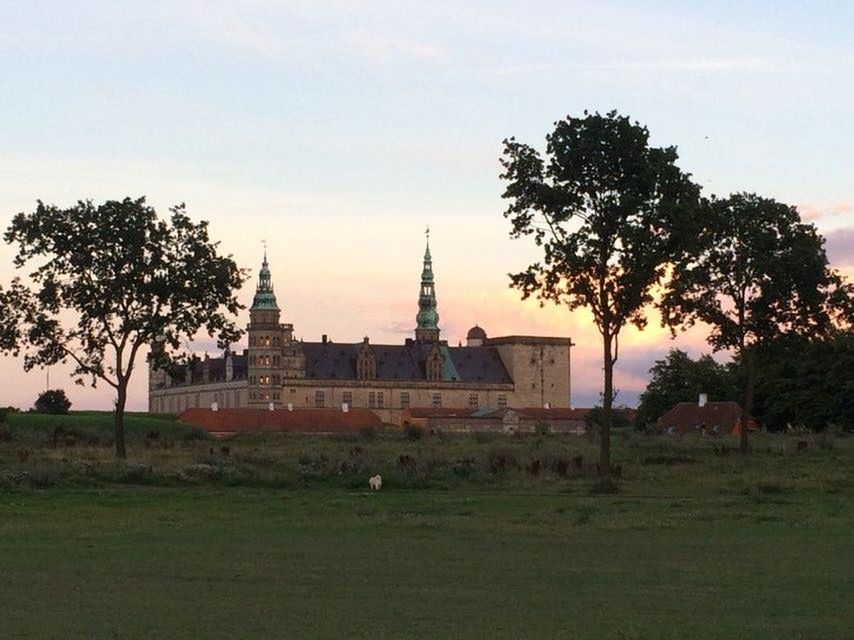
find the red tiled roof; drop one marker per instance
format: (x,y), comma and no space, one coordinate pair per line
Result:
(439,412)
(686,416)
(297,421)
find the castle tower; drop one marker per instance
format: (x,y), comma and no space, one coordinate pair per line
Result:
(427,320)
(266,337)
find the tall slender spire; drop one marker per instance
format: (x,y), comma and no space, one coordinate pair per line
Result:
(265,298)
(427,320)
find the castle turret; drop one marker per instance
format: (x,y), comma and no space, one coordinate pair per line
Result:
(264,367)
(427,320)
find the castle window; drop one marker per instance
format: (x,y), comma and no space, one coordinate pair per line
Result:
(434,365)
(502,401)
(372,400)
(380,400)
(347,397)
(473,401)
(437,400)
(404,399)
(319,398)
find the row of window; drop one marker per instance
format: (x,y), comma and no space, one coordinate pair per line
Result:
(376,399)
(265,381)
(264,341)
(265,361)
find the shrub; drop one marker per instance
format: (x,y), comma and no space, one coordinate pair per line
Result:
(53,401)
(196,433)
(3,413)
(464,467)
(542,428)
(413,432)
(484,437)
(368,433)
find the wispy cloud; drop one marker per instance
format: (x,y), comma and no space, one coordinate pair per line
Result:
(813,212)
(383,50)
(722,65)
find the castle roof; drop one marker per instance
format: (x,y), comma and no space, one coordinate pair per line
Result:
(405,362)
(476,333)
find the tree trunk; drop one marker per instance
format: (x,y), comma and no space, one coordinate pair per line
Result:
(747,409)
(121,453)
(607,401)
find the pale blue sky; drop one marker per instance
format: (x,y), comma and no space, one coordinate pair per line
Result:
(337,130)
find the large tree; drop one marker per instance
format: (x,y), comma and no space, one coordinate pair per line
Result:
(679,378)
(609,212)
(806,383)
(754,273)
(107,280)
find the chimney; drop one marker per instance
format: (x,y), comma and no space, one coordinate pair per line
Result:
(704,397)
(271,406)
(345,407)
(290,406)
(214,406)
(324,338)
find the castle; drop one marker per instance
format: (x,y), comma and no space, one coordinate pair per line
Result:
(277,371)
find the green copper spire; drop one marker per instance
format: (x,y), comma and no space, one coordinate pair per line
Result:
(264,296)
(427,320)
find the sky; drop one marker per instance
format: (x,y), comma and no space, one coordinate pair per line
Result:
(337,131)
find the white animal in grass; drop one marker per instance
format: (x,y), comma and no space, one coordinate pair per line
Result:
(376,482)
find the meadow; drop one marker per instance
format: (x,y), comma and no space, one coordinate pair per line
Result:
(277,535)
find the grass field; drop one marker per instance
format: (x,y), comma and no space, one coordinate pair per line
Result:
(277,539)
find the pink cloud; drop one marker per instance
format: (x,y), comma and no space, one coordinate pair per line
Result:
(812,212)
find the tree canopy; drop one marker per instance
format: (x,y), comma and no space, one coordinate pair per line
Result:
(609,212)
(52,401)
(108,279)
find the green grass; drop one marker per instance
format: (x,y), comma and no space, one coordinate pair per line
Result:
(275,540)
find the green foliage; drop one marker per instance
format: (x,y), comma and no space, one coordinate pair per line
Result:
(413,432)
(609,212)
(679,378)
(53,401)
(126,277)
(3,413)
(368,433)
(754,272)
(809,384)
(619,418)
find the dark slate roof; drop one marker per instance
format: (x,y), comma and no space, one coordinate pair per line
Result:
(404,362)
(217,368)
(479,364)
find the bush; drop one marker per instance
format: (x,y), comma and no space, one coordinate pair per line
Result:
(368,433)
(196,434)
(413,432)
(53,401)
(3,413)
(542,428)
(484,437)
